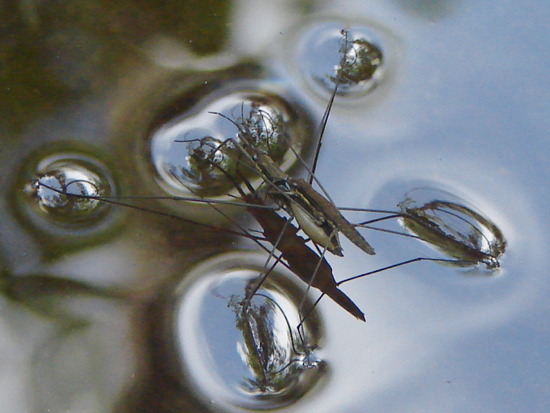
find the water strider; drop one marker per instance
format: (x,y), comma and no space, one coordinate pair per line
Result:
(251,153)
(273,196)
(309,266)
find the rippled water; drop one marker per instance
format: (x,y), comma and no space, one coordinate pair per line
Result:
(101,318)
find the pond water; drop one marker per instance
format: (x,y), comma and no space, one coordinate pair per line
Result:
(127,311)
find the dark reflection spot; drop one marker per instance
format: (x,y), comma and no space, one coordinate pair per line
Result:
(75,57)
(50,296)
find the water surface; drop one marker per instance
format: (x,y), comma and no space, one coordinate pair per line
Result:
(462,107)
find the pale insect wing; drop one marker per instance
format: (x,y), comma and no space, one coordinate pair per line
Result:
(317,233)
(331,213)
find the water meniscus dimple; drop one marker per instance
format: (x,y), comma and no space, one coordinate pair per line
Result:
(68,190)
(245,354)
(197,152)
(357,50)
(59,194)
(456,230)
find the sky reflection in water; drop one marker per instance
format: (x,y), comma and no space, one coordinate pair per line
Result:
(463,107)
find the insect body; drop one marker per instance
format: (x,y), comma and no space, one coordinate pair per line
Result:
(317,216)
(310,206)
